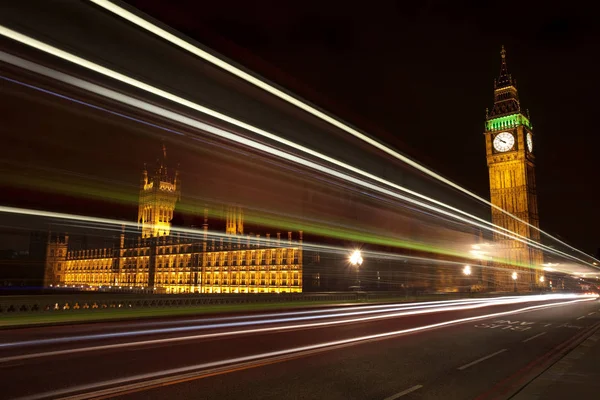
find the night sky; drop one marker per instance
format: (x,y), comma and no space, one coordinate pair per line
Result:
(420,77)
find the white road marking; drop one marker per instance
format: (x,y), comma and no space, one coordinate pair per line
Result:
(593,312)
(583,316)
(404,392)
(481,359)
(533,337)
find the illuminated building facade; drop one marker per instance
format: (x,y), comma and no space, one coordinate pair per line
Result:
(509,142)
(169,262)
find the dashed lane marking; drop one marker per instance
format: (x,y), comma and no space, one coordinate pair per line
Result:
(481,359)
(533,337)
(404,392)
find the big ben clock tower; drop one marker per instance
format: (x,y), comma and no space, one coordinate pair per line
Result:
(509,143)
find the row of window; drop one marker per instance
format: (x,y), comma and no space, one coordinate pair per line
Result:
(143,279)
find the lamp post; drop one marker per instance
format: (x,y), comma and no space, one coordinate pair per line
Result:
(467,273)
(514,277)
(356,260)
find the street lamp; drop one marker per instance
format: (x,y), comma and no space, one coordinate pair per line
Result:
(514,277)
(542,279)
(356,260)
(467,272)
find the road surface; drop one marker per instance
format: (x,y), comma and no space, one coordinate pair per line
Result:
(472,348)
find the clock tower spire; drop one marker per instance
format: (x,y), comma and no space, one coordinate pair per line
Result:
(506,97)
(511,163)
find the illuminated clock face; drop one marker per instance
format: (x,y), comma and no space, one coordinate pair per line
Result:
(529,142)
(504,141)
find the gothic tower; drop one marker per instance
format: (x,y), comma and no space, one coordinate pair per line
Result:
(57,247)
(509,142)
(158,195)
(234,220)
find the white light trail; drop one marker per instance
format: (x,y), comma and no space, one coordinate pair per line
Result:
(227,334)
(236,138)
(186,45)
(276,318)
(175,373)
(197,107)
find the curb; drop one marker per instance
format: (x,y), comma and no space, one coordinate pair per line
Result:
(517,382)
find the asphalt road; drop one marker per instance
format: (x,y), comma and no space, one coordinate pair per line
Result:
(455,350)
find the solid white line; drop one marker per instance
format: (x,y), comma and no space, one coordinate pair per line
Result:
(583,316)
(533,337)
(481,359)
(407,391)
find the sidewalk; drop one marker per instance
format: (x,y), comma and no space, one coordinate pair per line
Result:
(575,376)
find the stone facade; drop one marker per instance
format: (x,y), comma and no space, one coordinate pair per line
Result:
(509,142)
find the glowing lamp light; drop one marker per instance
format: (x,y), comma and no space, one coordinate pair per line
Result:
(542,279)
(514,276)
(467,270)
(356,258)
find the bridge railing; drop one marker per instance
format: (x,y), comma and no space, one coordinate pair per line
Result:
(103,301)
(91,301)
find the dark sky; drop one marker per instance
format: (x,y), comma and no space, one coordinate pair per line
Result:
(420,76)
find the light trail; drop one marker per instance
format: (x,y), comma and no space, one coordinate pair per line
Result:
(265,319)
(186,45)
(150,379)
(189,104)
(239,139)
(227,334)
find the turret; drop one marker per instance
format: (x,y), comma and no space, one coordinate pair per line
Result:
(159,194)
(234,220)
(56,255)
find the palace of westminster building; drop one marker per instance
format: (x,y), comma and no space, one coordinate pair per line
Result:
(165,261)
